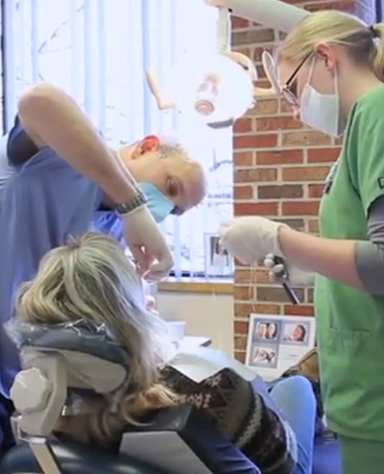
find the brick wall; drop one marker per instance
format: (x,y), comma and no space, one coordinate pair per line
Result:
(279,171)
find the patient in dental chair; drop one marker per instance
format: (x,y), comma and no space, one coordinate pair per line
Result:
(91,280)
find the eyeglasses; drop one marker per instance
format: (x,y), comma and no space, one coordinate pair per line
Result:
(289,91)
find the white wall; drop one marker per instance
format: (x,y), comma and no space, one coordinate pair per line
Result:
(206,314)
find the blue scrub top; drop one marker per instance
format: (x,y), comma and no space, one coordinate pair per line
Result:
(42,202)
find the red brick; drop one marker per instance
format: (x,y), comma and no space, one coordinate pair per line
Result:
(240,343)
(300,208)
(285,107)
(243,192)
(276,294)
(277,123)
(347,6)
(298,310)
(265,107)
(243,125)
(297,224)
(243,50)
(240,356)
(261,77)
(247,276)
(256,208)
(323,155)
(255,175)
(243,158)
(243,310)
(279,157)
(255,141)
(252,36)
(305,173)
(245,293)
(305,138)
(242,275)
(240,327)
(315,190)
(258,51)
(264,83)
(238,23)
(280,191)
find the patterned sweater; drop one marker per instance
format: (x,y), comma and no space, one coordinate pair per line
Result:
(242,415)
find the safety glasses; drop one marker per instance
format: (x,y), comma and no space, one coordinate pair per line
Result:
(289,91)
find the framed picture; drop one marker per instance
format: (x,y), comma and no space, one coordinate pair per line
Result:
(218,262)
(276,342)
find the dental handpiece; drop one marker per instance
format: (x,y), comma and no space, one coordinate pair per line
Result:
(290,293)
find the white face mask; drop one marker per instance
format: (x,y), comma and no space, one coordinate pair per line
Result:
(321,111)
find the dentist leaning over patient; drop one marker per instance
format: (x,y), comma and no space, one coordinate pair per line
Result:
(58,178)
(331,67)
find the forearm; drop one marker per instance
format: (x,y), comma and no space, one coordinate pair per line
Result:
(55,120)
(331,258)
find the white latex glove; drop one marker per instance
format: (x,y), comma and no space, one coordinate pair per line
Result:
(278,273)
(249,239)
(147,244)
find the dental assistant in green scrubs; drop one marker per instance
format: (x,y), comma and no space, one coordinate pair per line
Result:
(331,68)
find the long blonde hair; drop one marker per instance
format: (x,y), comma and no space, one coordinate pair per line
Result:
(337,28)
(92,279)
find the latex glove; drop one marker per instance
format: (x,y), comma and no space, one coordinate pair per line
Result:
(147,244)
(249,239)
(278,273)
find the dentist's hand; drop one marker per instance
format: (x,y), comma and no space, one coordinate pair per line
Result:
(147,244)
(249,239)
(283,272)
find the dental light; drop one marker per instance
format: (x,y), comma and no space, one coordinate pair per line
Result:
(220,87)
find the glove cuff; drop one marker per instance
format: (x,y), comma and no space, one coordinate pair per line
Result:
(132,211)
(277,248)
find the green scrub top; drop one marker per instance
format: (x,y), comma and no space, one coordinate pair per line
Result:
(351,322)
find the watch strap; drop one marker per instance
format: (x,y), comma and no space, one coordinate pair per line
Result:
(131,205)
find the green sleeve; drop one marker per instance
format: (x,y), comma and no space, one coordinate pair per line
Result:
(365,147)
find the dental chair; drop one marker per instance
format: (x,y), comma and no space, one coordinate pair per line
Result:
(177,440)
(57,364)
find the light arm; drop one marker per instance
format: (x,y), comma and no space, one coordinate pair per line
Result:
(157,94)
(52,118)
(271,13)
(334,259)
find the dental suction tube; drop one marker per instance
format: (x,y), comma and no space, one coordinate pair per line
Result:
(271,13)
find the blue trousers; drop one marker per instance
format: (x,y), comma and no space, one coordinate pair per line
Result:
(295,399)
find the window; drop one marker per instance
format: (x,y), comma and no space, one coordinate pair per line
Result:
(98,51)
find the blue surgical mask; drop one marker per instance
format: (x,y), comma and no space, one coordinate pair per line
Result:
(159,204)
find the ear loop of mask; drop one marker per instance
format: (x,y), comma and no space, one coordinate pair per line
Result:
(310,74)
(311,69)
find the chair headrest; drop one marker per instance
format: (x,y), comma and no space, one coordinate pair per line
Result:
(57,359)
(79,336)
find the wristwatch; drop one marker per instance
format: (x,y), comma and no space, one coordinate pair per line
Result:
(127,207)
